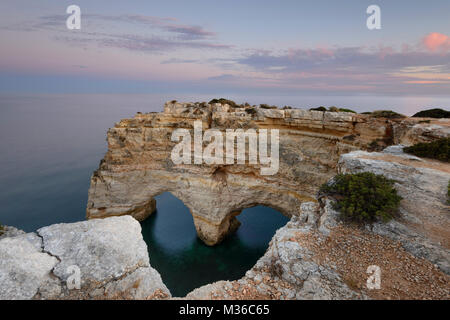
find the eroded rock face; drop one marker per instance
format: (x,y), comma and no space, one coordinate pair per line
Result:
(322,258)
(24,268)
(138,165)
(424,227)
(110,254)
(317,256)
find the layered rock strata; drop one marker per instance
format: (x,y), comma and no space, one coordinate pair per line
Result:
(316,256)
(138,165)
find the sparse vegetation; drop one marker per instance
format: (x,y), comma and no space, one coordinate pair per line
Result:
(173,101)
(250,110)
(438,149)
(287,108)
(318,109)
(224,101)
(389,114)
(433,113)
(346,110)
(1,227)
(332,109)
(363,197)
(266,106)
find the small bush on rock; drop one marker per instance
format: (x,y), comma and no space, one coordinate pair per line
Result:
(346,110)
(318,109)
(438,149)
(266,106)
(389,114)
(433,113)
(333,109)
(250,110)
(224,101)
(363,197)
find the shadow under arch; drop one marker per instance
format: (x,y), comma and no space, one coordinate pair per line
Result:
(186,263)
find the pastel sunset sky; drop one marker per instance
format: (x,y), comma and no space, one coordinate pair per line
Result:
(284,46)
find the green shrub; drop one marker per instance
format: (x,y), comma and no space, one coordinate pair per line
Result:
(250,110)
(266,106)
(287,108)
(333,109)
(367,112)
(346,110)
(223,101)
(318,109)
(433,113)
(363,197)
(438,149)
(1,230)
(389,114)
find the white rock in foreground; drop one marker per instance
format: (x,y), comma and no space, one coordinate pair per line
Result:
(110,253)
(23,267)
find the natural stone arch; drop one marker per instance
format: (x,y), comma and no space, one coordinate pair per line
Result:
(213,202)
(138,163)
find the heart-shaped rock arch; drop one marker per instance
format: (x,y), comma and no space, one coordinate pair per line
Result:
(138,165)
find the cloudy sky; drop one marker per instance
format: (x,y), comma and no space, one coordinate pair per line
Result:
(283,46)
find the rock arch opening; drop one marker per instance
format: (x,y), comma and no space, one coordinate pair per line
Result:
(185,262)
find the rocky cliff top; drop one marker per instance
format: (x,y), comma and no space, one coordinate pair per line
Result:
(138,164)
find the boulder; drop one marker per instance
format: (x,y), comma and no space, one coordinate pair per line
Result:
(110,255)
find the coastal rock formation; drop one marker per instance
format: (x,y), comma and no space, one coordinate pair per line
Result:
(317,256)
(138,165)
(424,224)
(109,254)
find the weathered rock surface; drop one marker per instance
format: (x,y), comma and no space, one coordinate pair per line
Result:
(7,231)
(138,165)
(317,256)
(424,227)
(24,268)
(110,254)
(322,258)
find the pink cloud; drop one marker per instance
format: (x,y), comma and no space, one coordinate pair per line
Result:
(435,41)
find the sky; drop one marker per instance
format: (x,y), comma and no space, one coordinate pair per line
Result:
(319,47)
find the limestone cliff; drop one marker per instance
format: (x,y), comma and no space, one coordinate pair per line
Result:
(138,166)
(316,256)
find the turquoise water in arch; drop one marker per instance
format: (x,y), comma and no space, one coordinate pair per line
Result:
(186,263)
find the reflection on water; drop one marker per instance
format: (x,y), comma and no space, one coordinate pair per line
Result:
(185,263)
